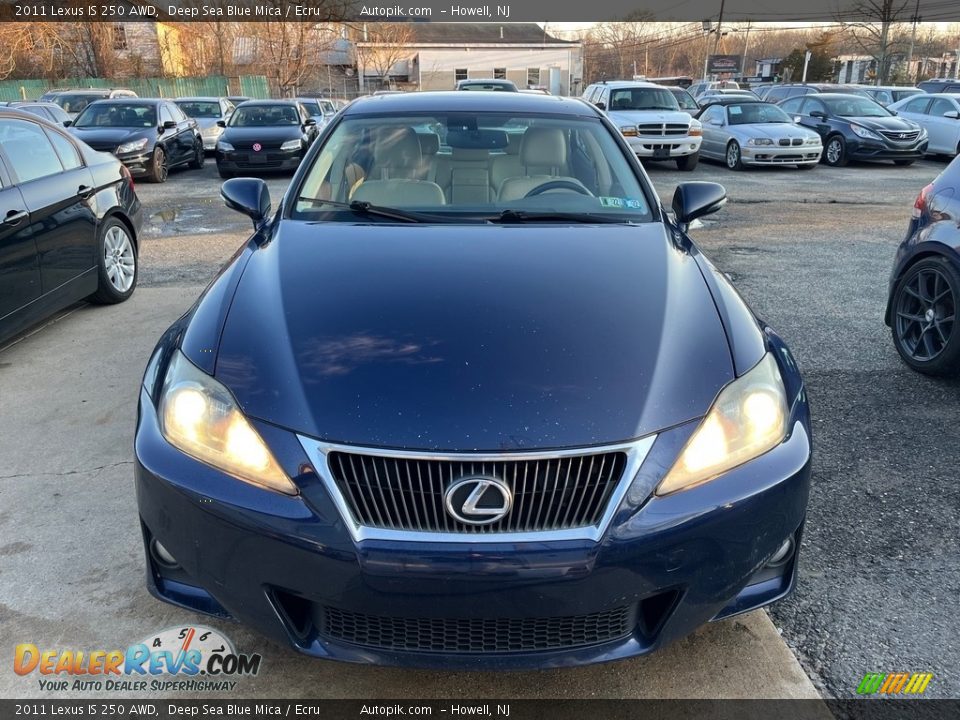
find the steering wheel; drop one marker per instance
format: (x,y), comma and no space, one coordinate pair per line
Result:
(558,185)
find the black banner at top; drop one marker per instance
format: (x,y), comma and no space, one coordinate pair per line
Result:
(811,11)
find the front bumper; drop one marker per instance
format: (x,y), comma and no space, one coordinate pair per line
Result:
(777,155)
(289,566)
(263,161)
(867,149)
(664,148)
(137,163)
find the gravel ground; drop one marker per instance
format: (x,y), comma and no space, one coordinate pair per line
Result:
(811,252)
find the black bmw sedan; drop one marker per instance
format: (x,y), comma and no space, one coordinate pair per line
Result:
(467,401)
(925,283)
(853,127)
(148,136)
(69,223)
(264,135)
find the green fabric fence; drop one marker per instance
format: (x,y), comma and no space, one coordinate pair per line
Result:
(254,86)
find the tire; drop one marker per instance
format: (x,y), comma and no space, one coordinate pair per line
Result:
(159,168)
(835,152)
(688,163)
(117,262)
(225,174)
(733,159)
(199,156)
(922,317)
(904,163)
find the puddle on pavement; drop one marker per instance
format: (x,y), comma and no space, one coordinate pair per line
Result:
(179,221)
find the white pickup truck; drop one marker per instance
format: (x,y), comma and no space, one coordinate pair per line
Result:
(650,120)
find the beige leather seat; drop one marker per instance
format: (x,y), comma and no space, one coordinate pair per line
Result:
(543,157)
(508,165)
(400,192)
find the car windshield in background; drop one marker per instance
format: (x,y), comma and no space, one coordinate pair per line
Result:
(491,167)
(132,115)
(312,107)
(75,103)
(642,99)
(327,107)
(264,116)
(489,87)
(853,107)
(750,113)
(200,109)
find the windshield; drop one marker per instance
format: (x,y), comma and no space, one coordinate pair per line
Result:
(473,168)
(264,115)
(684,100)
(199,109)
(750,113)
(495,87)
(642,99)
(76,103)
(312,107)
(132,115)
(853,107)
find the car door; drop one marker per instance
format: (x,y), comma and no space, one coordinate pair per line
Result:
(56,188)
(810,104)
(186,130)
(714,134)
(171,137)
(942,130)
(19,264)
(916,110)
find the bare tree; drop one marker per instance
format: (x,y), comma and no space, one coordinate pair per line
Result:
(872,27)
(380,46)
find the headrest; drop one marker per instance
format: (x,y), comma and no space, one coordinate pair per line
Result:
(514,141)
(543,146)
(400,193)
(469,155)
(397,148)
(477,139)
(429,143)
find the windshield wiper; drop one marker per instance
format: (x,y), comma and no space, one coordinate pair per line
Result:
(361,207)
(523,216)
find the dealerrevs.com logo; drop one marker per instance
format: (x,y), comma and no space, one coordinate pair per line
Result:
(176,659)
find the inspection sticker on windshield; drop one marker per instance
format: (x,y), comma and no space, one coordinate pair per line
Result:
(618,202)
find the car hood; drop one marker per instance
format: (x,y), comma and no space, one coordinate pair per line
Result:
(884,123)
(267,136)
(648,116)
(774,131)
(112,136)
(473,337)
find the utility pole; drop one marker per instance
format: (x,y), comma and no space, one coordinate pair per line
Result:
(913,35)
(746,45)
(716,42)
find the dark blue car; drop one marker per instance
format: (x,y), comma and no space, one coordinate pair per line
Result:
(925,282)
(470,398)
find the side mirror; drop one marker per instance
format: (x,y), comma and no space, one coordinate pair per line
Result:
(309,122)
(818,114)
(797,118)
(221,123)
(952,114)
(601,105)
(67,123)
(169,125)
(892,112)
(249,196)
(695,199)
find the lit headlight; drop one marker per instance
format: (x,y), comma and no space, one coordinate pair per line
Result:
(132,146)
(760,141)
(291,145)
(748,418)
(224,146)
(863,132)
(199,416)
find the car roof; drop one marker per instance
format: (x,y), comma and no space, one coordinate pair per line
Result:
(453,101)
(286,103)
(627,83)
(129,100)
(843,96)
(199,98)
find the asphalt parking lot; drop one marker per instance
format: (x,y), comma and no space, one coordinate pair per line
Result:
(810,251)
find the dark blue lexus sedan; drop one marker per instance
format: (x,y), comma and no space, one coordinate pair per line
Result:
(470,398)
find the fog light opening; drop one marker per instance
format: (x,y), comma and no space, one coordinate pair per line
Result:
(162,556)
(782,555)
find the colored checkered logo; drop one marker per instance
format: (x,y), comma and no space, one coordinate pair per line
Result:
(894,683)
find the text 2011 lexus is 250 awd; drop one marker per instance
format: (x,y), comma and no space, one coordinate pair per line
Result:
(470,399)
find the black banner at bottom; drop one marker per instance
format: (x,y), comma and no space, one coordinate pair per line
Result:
(558,709)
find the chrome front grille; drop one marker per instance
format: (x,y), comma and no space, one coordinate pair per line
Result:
(662,129)
(787,142)
(901,136)
(404,493)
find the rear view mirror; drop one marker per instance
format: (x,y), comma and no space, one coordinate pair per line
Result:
(249,196)
(695,199)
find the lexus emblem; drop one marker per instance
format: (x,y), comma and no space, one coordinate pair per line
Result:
(257,147)
(478,500)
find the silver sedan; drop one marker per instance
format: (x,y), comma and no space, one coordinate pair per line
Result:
(756,133)
(208,112)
